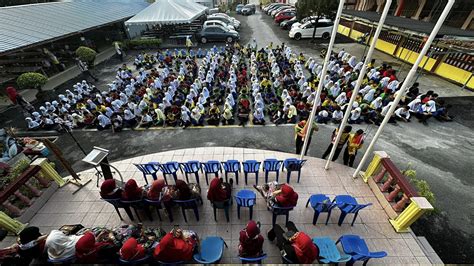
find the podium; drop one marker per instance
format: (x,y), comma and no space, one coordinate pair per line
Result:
(98,156)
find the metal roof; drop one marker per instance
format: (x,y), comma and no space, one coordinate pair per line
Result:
(416,26)
(25,25)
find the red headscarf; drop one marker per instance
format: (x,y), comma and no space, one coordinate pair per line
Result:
(131,191)
(173,249)
(216,192)
(155,189)
(86,248)
(251,241)
(288,197)
(12,94)
(109,190)
(131,250)
(304,248)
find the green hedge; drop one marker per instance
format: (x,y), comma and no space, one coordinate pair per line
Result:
(86,54)
(142,43)
(31,80)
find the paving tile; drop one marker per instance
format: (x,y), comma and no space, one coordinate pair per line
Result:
(87,208)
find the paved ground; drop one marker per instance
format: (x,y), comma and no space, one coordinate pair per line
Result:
(372,224)
(441,153)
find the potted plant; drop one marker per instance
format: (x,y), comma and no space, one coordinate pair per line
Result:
(86,54)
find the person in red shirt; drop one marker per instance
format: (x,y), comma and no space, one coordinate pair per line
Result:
(219,190)
(295,245)
(90,249)
(251,241)
(132,191)
(174,247)
(131,250)
(109,190)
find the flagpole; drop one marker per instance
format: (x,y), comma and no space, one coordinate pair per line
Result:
(323,72)
(407,80)
(360,79)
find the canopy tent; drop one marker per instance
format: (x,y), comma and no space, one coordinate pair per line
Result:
(168,12)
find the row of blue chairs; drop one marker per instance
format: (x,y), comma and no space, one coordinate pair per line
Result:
(354,249)
(216,167)
(346,203)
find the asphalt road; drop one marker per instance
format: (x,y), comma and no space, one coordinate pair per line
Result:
(441,153)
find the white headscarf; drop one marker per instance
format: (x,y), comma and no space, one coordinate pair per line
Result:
(61,246)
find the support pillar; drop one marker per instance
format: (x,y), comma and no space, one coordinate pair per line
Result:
(421,5)
(417,207)
(10,224)
(400,7)
(48,171)
(374,165)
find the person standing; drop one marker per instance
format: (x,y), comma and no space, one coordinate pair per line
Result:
(85,69)
(119,51)
(340,145)
(354,143)
(300,134)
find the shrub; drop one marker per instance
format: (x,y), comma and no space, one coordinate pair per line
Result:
(142,43)
(421,186)
(86,54)
(31,80)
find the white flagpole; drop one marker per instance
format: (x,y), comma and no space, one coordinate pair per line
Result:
(323,72)
(407,80)
(362,73)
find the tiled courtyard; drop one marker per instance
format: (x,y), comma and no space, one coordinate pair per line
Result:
(86,207)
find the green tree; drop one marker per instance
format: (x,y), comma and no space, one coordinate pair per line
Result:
(318,8)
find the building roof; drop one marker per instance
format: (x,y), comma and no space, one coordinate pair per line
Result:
(25,25)
(168,12)
(416,26)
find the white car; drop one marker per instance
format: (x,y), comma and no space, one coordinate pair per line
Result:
(323,30)
(229,17)
(303,21)
(217,23)
(226,19)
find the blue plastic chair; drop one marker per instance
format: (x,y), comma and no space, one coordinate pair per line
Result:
(157,205)
(143,260)
(293,165)
(138,205)
(245,198)
(224,205)
(117,203)
(63,261)
(320,203)
(276,210)
(211,167)
(357,248)
(191,167)
(148,169)
(211,251)
(256,260)
(272,165)
(328,252)
(251,167)
(170,168)
(348,204)
(188,205)
(231,166)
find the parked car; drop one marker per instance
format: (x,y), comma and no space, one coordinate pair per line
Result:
(306,19)
(276,11)
(323,30)
(224,19)
(238,8)
(248,9)
(217,33)
(286,25)
(234,20)
(284,15)
(270,6)
(269,11)
(208,23)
